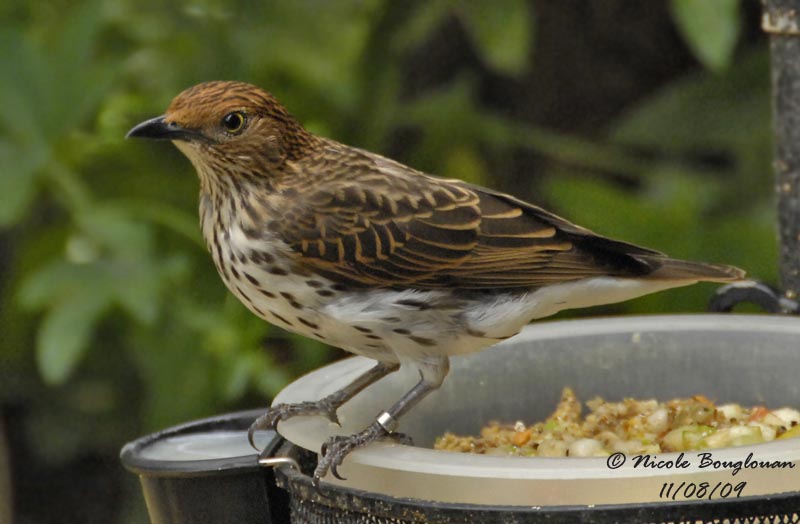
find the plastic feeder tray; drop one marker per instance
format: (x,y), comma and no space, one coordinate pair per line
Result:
(747,359)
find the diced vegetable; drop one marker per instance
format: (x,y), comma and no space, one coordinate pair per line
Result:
(586,447)
(632,427)
(792,433)
(790,417)
(686,438)
(746,435)
(658,420)
(757,413)
(734,436)
(767,432)
(731,411)
(553,448)
(521,438)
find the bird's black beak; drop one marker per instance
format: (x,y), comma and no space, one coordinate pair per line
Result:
(158,128)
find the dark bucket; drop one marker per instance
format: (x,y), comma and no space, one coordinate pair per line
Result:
(206,472)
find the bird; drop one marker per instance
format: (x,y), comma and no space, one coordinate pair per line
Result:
(366,254)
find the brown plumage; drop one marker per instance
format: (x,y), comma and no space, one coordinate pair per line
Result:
(352,248)
(370,221)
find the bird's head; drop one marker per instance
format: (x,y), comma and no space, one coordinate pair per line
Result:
(229,127)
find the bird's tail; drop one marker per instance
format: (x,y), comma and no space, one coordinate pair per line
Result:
(673,269)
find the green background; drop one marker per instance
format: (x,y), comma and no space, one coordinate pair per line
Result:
(646,121)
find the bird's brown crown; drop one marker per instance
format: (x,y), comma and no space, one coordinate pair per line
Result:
(239,118)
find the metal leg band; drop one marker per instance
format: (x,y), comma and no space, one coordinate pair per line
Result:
(387,422)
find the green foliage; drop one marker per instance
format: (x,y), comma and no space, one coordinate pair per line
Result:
(710,27)
(114,314)
(502,32)
(714,210)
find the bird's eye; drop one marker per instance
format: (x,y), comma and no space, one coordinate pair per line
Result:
(233,122)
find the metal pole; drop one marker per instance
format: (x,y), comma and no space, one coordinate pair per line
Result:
(781,20)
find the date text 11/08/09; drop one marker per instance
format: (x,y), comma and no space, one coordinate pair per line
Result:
(700,490)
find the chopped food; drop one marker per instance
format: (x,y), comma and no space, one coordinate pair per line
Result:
(632,427)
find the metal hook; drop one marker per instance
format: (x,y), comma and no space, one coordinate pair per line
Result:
(757,293)
(277,462)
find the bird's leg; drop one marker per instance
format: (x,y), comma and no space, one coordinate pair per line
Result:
(337,448)
(326,406)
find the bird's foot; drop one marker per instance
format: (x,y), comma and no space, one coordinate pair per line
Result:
(336,448)
(275,414)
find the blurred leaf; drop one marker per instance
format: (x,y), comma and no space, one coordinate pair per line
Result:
(55,282)
(113,120)
(720,122)
(24,152)
(17,182)
(111,265)
(23,118)
(748,241)
(470,126)
(136,277)
(321,44)
(422,22)
(71,98)
(309,353)
(268,377)
(140,294)
(702,111)
(466,127)
(116,231)
(502,32)
(48,96)
(464,163)
(710,28)
(65,332)
(667,209)
(44,100)
(237,374)
(179,379)
(673,214)
(176,220)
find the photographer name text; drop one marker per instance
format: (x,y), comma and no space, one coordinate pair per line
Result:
(702,460)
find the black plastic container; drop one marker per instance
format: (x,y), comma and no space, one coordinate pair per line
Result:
(205,472)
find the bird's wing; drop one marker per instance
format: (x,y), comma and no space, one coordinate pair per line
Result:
(377,231)
(523,245)
(391,226)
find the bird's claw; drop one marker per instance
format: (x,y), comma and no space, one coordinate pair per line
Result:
(336,448)
(401,438)
(275,414)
